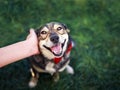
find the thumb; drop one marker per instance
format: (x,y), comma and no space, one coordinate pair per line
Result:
(32,31)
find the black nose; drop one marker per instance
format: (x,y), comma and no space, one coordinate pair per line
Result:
(54,38)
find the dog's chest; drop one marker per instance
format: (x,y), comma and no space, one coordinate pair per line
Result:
(51,66)
(57,66)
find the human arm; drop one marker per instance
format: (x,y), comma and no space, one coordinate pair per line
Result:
(19,50)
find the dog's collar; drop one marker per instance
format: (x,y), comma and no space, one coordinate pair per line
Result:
(57,60)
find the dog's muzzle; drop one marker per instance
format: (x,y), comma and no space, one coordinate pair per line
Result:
(57,48)
(54,38)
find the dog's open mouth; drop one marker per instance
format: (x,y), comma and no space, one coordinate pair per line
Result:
(56,49)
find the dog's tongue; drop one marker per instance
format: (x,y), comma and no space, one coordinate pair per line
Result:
(56,49)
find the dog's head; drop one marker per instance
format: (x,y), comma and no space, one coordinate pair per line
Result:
(53,39)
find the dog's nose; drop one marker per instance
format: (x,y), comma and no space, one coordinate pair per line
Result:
(54,38)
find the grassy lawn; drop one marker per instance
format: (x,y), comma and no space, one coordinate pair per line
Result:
(95,27)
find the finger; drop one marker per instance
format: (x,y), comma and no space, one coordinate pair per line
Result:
(32,31)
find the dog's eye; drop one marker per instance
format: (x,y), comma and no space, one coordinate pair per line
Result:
(43,32)
(59,28)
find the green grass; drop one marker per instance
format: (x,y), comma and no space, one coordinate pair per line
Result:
(94,26)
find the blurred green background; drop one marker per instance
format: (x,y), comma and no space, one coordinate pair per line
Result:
(94,26)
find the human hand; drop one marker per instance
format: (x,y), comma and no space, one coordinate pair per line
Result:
(33,41)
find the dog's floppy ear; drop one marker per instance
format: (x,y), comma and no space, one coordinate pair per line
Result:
(65,26)
(37,31)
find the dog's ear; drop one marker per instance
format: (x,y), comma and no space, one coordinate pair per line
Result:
(64,25)
(37,31)
(66,28)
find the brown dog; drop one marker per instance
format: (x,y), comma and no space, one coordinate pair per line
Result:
(55,45)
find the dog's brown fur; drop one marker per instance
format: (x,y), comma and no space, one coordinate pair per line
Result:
(55,45)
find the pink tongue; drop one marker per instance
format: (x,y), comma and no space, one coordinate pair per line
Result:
(56,49)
